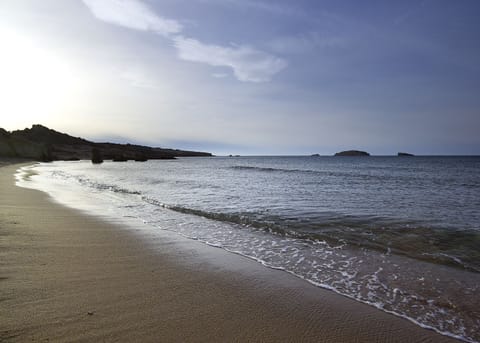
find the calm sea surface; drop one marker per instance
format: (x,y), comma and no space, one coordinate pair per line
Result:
(399,233)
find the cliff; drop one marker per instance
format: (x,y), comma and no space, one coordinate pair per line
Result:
(20,146)
(44,144)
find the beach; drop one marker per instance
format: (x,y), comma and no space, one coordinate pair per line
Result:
(69,276)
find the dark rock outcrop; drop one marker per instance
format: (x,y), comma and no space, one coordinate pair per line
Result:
(19,146)
(120,158)
(43,144)
(141,158)
(352,153)
(404,154)
(96,156)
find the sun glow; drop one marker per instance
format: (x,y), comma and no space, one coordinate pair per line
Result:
(34,83)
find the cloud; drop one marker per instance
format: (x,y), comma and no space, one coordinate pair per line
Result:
(132,14)
(306,42)
(410,13)
(270,7)
(247,63)
(219,75)
(138,78)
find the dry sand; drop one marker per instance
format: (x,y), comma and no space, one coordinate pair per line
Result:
(67,276)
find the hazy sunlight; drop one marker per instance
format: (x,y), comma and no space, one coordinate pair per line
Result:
(34,83)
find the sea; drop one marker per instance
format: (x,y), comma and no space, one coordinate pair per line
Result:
(401,234)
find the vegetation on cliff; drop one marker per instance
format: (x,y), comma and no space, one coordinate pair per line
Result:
(44,144)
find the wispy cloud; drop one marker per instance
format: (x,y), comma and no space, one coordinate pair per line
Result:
(410,13)
(270,7)
(138,78)
(132,14)
(247,63)
(219,75)
(305,42)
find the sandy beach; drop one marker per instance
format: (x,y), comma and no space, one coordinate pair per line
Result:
(67,276)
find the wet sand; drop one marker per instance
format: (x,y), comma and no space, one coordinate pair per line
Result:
(68,276)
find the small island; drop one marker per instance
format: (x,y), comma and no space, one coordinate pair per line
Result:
(352,153)
(404,154)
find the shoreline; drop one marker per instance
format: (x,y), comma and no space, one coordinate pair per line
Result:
(67,276)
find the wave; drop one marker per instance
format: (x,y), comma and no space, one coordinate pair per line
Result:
(409,238)
(84,181)
(352,175)
(435,245)
(376,279)
(267,169)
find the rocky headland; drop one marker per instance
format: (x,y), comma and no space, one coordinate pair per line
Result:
(43,144)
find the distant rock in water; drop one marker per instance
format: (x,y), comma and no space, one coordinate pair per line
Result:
(352,153)
(96,156)
(43,144)
(120,158)
(141,158)
(404,154)
(315,155)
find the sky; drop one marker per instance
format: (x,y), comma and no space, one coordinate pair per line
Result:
(247,77)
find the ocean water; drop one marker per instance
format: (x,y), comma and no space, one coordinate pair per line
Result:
(399,233)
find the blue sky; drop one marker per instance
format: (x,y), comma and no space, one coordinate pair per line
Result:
(247,77)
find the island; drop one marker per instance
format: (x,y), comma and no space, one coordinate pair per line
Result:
(352,153)
(43,144)
(404,154)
